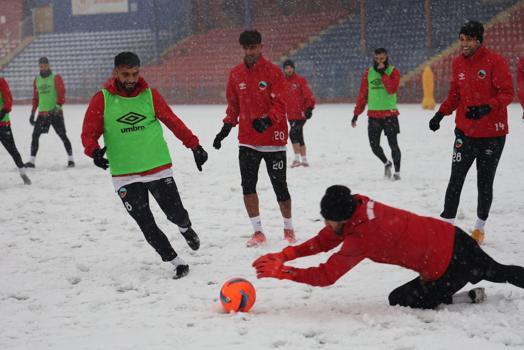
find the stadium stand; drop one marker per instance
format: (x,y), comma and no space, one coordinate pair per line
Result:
(334,63)
(504,33)
(198,66)
(83,59)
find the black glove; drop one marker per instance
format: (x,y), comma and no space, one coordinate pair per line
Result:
(434,123)
(308,113)
(200,156)
(261,124)
(354,121)
(380,70)
(57,110)
(98,158)
(226,129)
(3,112)
(477,112)
(32,119)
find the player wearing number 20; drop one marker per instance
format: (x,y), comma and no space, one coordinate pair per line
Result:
(481,88)
(256,103)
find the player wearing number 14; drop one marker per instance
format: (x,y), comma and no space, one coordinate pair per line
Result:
(481,88)
(256,103)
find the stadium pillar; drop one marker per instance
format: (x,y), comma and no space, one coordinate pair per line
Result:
(156,44)
(247,14)
(363,26)
(429,24)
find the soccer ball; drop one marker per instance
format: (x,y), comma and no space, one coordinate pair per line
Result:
(237,294)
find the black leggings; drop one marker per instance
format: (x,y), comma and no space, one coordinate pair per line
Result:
(135,197)
(42,127)
(7,139)
(249,161)
(391,128)
(469,263)
(296,131)
(487,152)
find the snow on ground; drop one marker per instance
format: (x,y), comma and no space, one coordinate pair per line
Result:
(77,273)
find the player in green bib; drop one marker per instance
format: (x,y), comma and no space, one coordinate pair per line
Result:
(378,89)
(6,134)
(48,97)
(127,113)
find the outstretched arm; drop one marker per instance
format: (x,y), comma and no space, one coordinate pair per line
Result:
(164,113)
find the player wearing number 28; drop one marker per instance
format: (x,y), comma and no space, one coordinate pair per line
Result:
(480,91)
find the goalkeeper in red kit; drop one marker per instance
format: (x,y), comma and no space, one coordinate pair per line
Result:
(445,257)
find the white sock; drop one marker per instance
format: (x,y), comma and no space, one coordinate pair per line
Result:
(70,158)
(182,229)
(479,224)
(288,224)
(178,261)
(397,173)
(22,171)
(304,159)
(256,222)
(462,298)
(387,162)
(297,157)
(32,159)
(449,220)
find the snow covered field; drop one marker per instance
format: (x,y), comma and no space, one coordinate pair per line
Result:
(76,272)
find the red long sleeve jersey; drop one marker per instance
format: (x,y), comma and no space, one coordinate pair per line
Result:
(60,93)
(391,83)
(7,98)
(253,93)
(520,80)
(384,235)
(299,97)
(93,126)
(482,78)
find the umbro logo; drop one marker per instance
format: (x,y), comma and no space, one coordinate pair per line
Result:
(131,118)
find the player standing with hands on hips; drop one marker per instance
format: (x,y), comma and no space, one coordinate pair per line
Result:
(48,97)
(480,91)
(299,109)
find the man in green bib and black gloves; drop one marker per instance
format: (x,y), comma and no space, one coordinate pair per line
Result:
(127,112)
(378,89)
(48,97)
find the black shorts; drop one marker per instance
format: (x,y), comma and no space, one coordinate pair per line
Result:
(44,122)
(249,161)
(389,125)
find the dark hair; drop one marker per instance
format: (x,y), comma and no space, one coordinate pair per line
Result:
(381,50)
(473,29)
(43,60)
(337,204)
(250,37)
(127,58)
(288,63)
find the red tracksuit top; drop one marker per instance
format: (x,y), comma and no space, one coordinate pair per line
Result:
(93,126)
(483,78)
(385,235)
(299,97)
(60,93)
(520,80)
(8,99)
(391,83)
(253,93)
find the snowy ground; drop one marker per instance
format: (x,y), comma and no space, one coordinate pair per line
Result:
(76,272)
